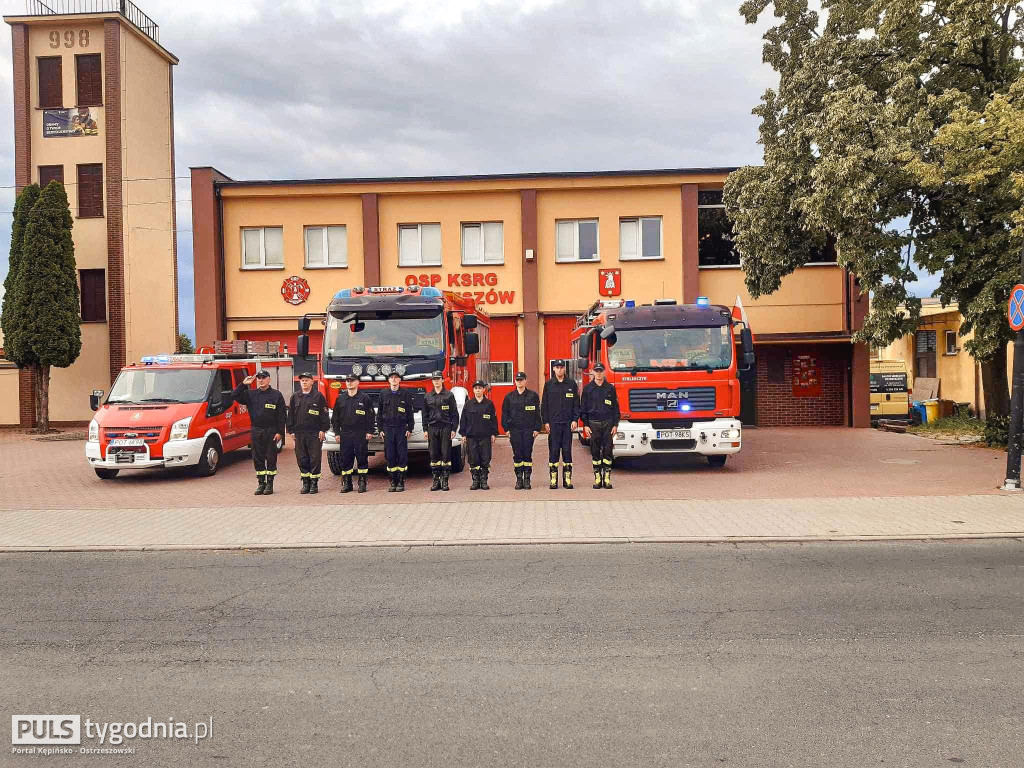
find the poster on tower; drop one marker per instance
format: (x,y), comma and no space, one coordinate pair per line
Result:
(61,123)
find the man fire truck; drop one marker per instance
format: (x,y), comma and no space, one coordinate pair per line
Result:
(674,370)
(178,410)
(415,331)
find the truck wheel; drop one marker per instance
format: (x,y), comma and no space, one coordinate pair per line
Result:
(717,461)
(334,462)
(458,461)
(209,459)
(106,474)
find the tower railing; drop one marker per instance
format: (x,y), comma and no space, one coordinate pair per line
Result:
(126,8)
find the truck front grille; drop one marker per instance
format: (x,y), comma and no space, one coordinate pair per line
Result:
(671,400)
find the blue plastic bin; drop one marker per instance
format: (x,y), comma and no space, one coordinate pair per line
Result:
(922,412)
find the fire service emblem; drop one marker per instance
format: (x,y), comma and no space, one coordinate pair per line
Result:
(295,289)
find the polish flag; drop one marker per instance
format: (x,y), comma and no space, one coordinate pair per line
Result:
(739,313)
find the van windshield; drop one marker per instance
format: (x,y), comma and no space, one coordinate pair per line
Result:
(656,349)
(161,385)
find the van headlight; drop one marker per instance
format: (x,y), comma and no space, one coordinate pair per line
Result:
(730,434)
(179,429)
(94,431)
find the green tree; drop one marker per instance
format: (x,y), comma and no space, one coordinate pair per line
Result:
(856,141)
(48,287)
(11,321)
(185,344)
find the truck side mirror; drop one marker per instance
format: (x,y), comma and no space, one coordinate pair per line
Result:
(472,343)
(469,322)
(747,344)
(582,363)
(94,399)
(302,345)
(304,324)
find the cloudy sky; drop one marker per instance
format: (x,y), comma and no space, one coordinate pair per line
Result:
(326,88)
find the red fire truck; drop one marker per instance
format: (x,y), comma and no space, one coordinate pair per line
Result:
(372,331)
(674,369)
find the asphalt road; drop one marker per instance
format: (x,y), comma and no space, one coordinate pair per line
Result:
(900,654)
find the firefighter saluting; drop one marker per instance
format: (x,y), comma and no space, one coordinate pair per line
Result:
(440,420)
(308,422)
(395,420)
(267,415)
(520,418)
(560,410)
(479,425)
(600,413)
(352,422)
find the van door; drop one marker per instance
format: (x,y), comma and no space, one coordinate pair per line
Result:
(222,411)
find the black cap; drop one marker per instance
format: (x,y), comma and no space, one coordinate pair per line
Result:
(262,375)
(599,367)
(394,373)
(478,383)
(306,375)
(351,377)
(437,375)
(559,362)
(521,376)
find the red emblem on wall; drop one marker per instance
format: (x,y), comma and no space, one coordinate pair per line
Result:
(609,282)
(295,289)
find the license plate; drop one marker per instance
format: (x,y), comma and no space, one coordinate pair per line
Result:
(124,458)
(673,434)
(127,442)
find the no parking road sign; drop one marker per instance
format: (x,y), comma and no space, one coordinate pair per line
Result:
(1015,309)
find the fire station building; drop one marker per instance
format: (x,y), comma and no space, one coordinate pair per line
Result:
(535,250)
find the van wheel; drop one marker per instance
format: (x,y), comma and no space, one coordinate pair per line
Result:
(458,459)
(334,462)
(209,459)
(717,461)
(106,474)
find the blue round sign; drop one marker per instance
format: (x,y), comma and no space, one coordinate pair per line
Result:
(1015,309)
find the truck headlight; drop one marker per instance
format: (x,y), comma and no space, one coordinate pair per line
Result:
(730,434)
(179,429)
(94,431)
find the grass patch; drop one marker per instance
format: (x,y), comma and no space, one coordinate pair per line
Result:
(963,428)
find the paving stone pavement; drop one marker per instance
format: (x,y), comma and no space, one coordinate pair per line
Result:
(507,522)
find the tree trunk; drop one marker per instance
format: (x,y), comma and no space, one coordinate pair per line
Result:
(37,385)
(44,398)
(994,385)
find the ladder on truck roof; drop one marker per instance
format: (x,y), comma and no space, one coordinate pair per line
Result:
(599,306)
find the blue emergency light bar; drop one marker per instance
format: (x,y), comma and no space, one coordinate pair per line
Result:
(702,301)
(158,359)
(630,303)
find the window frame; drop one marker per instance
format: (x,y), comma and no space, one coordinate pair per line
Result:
(263,248)
(79,101)
(39,170)
(955,349)
(326,239)
(81,186)
(483,246)
(418,226)
(82,294)
(700,207)
(512,373)
(640,238)
(576,240)
(60,82)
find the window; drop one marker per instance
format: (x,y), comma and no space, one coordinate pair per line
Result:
(94,295)
(419,245)
(262,248)
(483,243)
(48,173)
(951,348)
(326,247)
(714,232)
(577,240)
(90,80)
(640,238)
(51,88)
(90,191)
(501,374)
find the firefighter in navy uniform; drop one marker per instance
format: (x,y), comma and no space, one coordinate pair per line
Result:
(267,416)
(599,409)
(352,422)
(440,420)
(520,418)
(395,421)
(560,410)
(479,427)
(308,421)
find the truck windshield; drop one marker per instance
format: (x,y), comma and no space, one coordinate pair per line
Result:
(161,385)
(393,334)
(656,349)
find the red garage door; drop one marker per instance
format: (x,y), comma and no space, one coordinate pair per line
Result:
(557,329)
(504,358)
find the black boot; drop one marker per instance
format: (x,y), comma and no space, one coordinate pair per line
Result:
(401,481)
(394,482)
(476,480)
(305,485)
(362,483)
(527,471)
(268,490)
(346,484)
(314,484)
(436,485)
(567,476)
(262,487)
(519,478)
(598,478)
(554,477)
(484,471)
(608,478)
(444,480)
